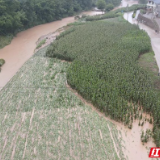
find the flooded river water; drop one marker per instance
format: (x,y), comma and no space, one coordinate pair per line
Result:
(23,45)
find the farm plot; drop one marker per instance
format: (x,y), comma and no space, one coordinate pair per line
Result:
(42,119)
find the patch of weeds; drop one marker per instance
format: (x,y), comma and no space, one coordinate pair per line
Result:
(41,43)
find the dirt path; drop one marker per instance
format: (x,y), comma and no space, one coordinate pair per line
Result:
(113,141)
(23,45)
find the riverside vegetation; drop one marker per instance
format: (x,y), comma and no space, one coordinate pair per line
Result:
(42,119)
(105,70)
(115,13)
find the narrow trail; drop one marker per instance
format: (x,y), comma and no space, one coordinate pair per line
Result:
(113,141)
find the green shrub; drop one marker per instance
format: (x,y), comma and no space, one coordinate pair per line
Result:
(142,11)
(134,14)
(84,16)
(77,17)
(68,31)
(74,24)
(100,17)
(2,61)
(146,136)
(5,40)
(109,7)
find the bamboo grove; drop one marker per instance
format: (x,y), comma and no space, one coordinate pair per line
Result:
(105,70)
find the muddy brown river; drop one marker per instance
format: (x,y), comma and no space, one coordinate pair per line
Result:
(23,45)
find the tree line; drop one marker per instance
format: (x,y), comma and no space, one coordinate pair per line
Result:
(16,15)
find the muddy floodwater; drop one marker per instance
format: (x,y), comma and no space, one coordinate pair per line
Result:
(23,45)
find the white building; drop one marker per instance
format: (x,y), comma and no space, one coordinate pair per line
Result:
(154,7)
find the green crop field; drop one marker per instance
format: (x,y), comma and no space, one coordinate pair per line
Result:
(105,69)
(42,119)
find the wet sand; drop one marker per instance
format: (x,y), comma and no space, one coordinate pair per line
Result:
(23,45)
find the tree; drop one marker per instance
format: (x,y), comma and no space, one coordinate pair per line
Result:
(109,7)
(143,1)
(101,4)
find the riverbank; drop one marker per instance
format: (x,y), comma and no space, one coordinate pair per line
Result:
(23,45)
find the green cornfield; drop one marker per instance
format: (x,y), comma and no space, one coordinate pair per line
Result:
(105,69)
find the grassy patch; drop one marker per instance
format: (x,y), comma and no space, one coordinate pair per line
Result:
(148,62)
(75,23)
(41,43)
(100,17)
(5,40)
(134,14)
